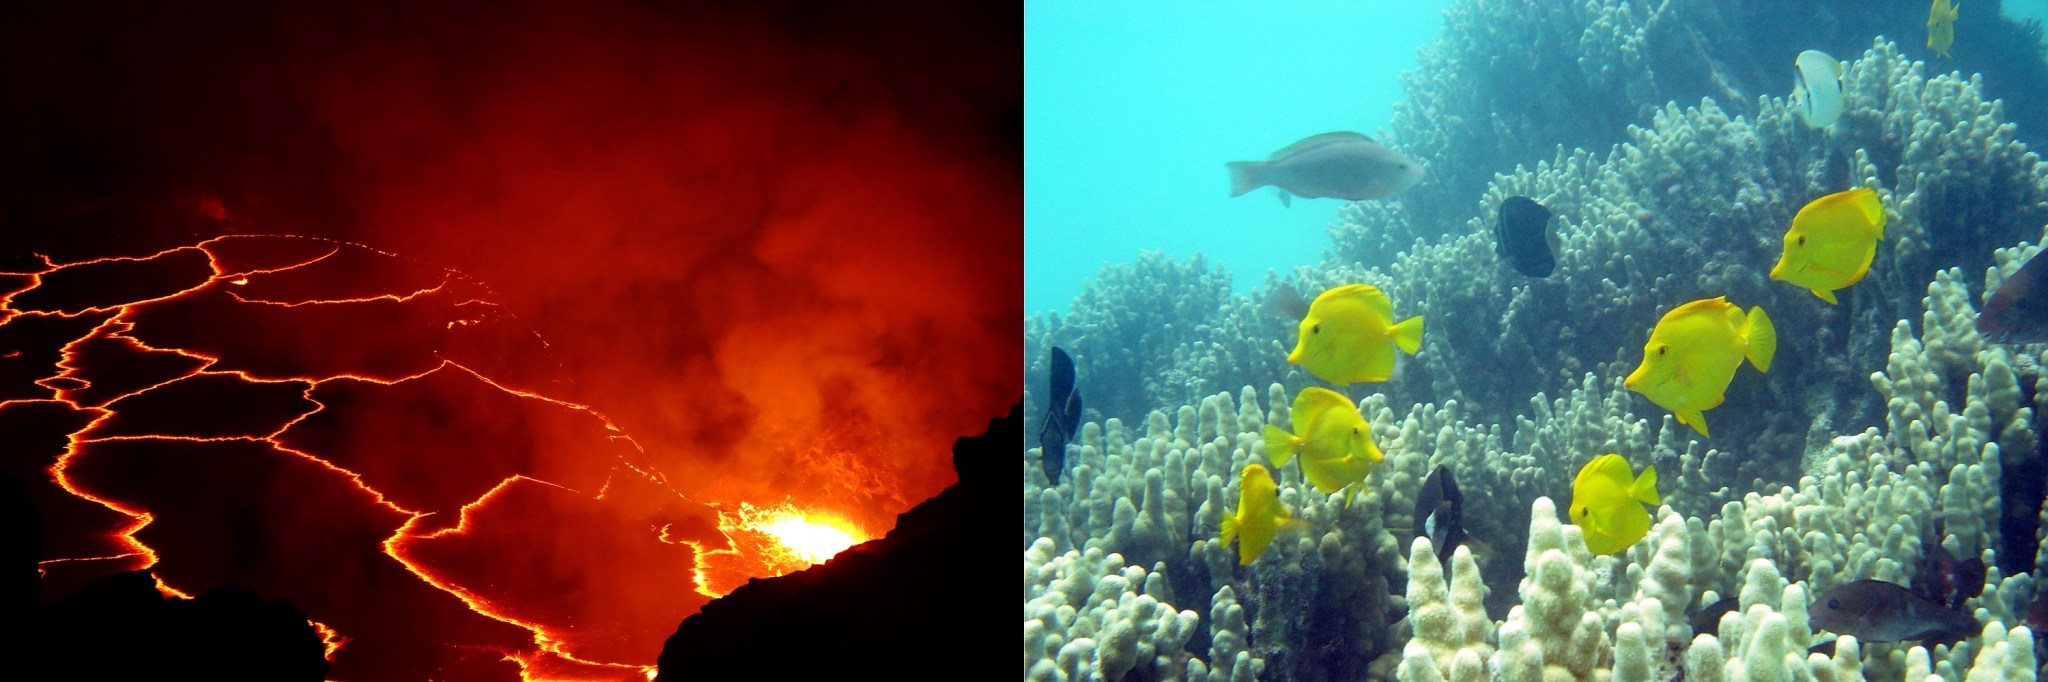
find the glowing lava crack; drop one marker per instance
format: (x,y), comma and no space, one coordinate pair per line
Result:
(372,440)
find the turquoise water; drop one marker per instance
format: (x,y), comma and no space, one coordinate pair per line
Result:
(1131,110)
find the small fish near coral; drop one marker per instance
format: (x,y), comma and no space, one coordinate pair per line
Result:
(1707,621)
(1879,611)
(1947,581)
(1607,503)
(1522,237)
(1062,417)
(1333,439)
(1349,336)
(1817,88)
(1339,165)
(1258,517)
(2018,310)
(1693,353)
(1941,26)
(1831,242)
(1440,512)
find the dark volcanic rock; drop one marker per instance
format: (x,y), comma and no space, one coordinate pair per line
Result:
(912,605)
(121,628)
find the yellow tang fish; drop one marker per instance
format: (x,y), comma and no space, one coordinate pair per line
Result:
(1831,242)
(1259,515)
(1941,26)
(1335,442)
(1607,503)
(1349,335)
(1693,353)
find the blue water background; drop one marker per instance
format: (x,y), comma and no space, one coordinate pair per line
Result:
(1131,110)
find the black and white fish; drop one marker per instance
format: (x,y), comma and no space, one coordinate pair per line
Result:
(1062,417)
(1440,512)
(1522,237)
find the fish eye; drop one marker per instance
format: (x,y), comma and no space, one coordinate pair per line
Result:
(1802,240)
(1315,329)
(1661,349)
(1834,603)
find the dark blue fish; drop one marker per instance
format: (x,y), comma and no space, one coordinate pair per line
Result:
(1440,513)
(1878,611)
(1708,620)
(1522,237)
(1062,417)
(2018,311)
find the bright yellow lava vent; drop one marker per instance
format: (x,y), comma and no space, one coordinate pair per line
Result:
(812,538)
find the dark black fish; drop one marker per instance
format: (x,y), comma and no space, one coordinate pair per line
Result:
(1522,237)
(1936,579)
(1947,581)
(1969,581)
(2018,311)
(1062,417)
(1440,513)
(1878,611)
(1708,620)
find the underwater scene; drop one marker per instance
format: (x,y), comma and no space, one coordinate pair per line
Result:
(1636,341)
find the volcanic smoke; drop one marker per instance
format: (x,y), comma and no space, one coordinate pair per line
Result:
(595,310)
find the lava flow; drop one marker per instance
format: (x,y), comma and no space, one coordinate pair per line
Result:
(370,438)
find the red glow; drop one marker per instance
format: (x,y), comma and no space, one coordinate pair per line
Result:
(778,244)
(182,425)
(772,541)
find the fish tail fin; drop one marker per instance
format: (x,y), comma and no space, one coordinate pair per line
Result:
(1645,488)
(1280,445)
(1228,529)
(1408,334)
(1763,339)
(1694,419)
(1244,177)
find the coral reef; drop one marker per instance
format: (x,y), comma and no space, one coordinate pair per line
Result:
(1886,426)
(1509,82)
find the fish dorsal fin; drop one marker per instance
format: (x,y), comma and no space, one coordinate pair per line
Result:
(1314,141)
(1314,402)
(1369,295)
(1702,305)
(1612,467)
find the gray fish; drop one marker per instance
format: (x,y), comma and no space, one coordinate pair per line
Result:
(2018,311)
(1878,611)
(1440,512)
(1522,237)
(1341,165)
(1062,417)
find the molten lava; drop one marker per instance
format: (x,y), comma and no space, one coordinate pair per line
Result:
(772,541)
(811,538)
(371,439)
